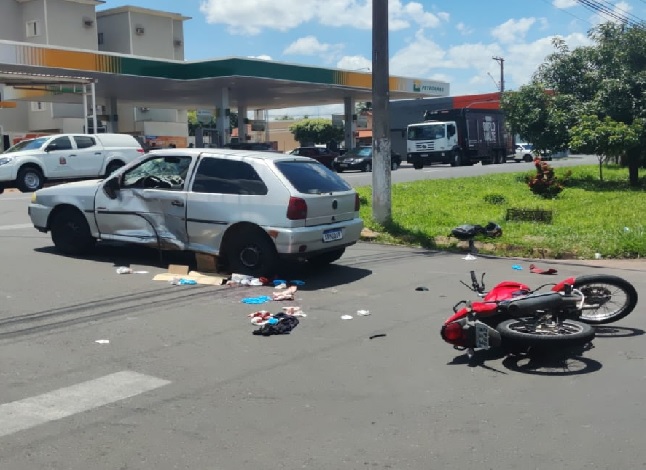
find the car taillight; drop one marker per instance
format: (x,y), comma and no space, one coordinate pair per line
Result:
(140,150)
(357,202)
(296,209)
(454,333)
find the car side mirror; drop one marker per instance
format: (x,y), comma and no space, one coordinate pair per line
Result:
(111,187)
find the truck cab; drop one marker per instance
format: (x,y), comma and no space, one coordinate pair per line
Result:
(433,141)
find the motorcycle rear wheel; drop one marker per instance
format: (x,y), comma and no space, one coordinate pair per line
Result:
(526,332)
(608,298)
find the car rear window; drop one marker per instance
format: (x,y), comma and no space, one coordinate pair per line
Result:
(312,177)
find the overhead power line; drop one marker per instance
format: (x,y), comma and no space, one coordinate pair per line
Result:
(611,12)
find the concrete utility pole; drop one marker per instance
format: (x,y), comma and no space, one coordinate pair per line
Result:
(501,61)
(381,191)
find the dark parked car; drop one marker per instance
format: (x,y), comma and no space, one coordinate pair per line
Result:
(250,146)
(323,155)
(360,158)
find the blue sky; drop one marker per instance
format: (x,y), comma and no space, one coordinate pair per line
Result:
(453,41)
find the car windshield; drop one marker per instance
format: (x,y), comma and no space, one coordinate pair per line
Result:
(312,177)
(30,144)
(359,152)
(426,132)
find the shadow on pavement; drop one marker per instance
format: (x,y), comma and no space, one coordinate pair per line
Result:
(616,332)
(566,362)
(134,255)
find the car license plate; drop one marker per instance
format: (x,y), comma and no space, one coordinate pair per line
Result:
(482,336)
(424,155)
(343,164)
(332,235)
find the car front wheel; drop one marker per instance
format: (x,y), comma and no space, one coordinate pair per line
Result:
(71,233)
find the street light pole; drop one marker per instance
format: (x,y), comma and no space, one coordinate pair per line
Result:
(501,61)
(381,190)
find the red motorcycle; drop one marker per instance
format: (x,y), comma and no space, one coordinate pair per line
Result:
(514,316)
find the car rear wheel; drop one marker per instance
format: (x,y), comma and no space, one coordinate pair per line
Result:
(252,253)
(71,233)
(528,158)
(367,167)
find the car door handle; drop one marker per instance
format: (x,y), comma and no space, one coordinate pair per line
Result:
(73,155)
(177,203)
(97,153)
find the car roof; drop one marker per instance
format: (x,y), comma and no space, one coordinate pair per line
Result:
(226,152)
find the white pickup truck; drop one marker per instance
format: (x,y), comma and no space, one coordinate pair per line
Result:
(30,163)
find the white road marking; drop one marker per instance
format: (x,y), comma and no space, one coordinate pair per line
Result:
(15,227)
(58,404)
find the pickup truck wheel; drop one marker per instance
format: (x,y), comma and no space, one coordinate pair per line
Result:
(112,167)
(29,179)
(71,233)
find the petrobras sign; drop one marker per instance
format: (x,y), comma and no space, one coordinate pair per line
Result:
(428,87)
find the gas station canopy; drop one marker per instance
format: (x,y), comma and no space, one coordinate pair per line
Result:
(40,73)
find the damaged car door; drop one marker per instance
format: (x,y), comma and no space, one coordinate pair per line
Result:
(146,204)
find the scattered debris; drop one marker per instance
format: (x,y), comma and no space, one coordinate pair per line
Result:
(517,267)
(182,272)
(260,317)
(536,270)
(380,335)
(469,257)
(256,300)
(363,313)
(181,281)
(296,282)
(287,294)
(127,270)
(102,341)
(346,317)
(421,289)
(279,324)
(294,311)
(597,256)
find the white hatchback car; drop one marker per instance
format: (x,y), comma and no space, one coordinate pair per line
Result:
(524,153)
(249,208)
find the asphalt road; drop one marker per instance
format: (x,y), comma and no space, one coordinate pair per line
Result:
(183,383)
(407,173)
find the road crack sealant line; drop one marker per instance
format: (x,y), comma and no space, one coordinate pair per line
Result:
(28,324)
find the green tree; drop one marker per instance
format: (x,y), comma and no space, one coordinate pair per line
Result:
(607,138)
(539,116)
(605,79)
(315,131)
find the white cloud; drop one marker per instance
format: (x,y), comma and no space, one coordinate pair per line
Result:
(463,29)
(513,30)
(260,57)
(308,45)
(564,3)
(354,62)
(249,17)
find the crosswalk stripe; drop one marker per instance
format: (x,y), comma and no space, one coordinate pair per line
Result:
(58,404)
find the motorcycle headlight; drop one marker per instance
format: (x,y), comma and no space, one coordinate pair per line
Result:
(5,160)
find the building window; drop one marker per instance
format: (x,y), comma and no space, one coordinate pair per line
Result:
(100,39)
(33,29)
(38,106)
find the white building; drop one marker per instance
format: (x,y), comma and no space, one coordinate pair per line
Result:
(76,24)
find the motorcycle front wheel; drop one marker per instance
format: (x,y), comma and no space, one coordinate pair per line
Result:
(608,298)
(529,332)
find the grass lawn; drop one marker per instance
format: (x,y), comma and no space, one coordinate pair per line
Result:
(589,216)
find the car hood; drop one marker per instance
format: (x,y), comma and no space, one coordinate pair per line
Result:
(77,188)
